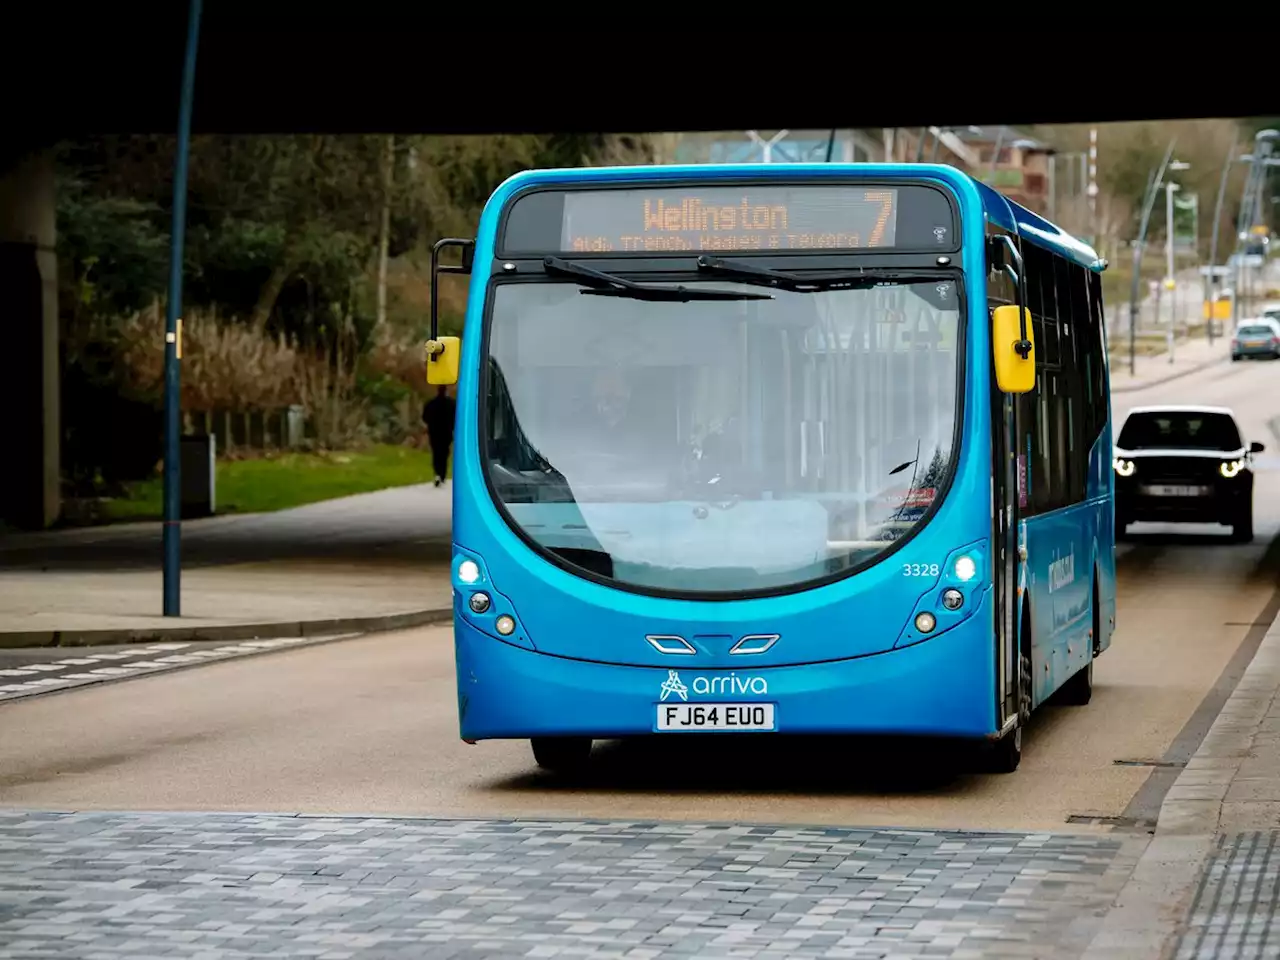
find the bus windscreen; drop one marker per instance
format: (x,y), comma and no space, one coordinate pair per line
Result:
(747,217)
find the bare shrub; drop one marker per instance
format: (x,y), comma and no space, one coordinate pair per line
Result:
(225,365)
(230,365)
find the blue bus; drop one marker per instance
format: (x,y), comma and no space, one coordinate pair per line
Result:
(780,449)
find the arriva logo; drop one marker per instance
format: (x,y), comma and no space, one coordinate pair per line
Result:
(1062,572)
(705,686)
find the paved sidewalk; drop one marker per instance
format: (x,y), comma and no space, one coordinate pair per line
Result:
(1188,357)
(238,601)
(85,886)
(1208,886)
(372,561)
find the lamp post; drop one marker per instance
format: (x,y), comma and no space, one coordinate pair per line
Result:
(1259,161)
(172,543)
(1153,190)
(1170,280)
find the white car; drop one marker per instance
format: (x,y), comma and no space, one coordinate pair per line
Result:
(1257,337)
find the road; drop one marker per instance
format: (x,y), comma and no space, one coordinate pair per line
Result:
(368,725)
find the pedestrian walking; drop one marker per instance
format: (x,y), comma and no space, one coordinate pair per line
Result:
(438,416)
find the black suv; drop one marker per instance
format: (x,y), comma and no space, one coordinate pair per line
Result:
(1184,464)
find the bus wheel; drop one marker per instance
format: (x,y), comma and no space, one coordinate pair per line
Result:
(1078,690)
(1006,753)
(561,754)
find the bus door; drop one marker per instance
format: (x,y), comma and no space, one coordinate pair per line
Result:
(1009,491)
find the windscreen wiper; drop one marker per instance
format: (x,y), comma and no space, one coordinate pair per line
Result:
(859,278)
(603,284)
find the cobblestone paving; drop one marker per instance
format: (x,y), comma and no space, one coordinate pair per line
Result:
(1236,911)
(105,886)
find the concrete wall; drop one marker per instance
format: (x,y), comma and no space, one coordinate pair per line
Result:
(29,440)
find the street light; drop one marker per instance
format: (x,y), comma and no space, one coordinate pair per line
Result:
(1170,282)
(172,531)
(1153,190)
(1259,160)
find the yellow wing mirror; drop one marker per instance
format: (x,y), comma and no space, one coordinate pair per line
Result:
(1013,349)
(442,361)
(444,353)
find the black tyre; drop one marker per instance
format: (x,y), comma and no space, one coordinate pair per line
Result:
(561,754)
(1234,358)
(1005,755)
(1078,691)
(1242,528)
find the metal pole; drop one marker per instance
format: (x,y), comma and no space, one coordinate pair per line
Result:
(1147,203)
(831,144)
(1170,283)
(1053,187)
(173,331)
(1092,189)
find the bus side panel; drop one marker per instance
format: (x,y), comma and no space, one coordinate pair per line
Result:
(1102,480)
(1059,588)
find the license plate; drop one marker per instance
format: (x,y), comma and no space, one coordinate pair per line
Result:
(692,717)
(1166,490)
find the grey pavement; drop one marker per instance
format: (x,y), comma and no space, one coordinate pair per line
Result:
(363,562)
(1209,883)
(113,885)
(402,524)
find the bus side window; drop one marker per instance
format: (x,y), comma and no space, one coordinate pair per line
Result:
(1039,441)
(1072,416)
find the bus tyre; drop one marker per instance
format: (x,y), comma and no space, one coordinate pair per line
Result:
(1078,690)
(561,754)
(1006,754)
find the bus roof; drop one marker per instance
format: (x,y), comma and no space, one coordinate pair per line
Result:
(998,208)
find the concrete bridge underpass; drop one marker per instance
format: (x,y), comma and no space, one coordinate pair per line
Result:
(110,76)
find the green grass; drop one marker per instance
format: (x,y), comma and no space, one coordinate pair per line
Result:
(288,480)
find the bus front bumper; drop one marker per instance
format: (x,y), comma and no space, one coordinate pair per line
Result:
(943,687)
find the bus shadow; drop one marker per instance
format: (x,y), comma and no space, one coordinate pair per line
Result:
(691,764)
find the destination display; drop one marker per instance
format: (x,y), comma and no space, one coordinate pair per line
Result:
(724,219)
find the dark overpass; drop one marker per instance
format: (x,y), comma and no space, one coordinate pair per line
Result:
(71,72)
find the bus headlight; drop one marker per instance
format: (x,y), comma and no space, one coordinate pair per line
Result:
(1230,468)
(468,571)
(506,625)
(966,568)
(1124,467)
(926,621)
(952,598)
(479,602)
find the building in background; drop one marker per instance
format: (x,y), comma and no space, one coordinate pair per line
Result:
(1018,165)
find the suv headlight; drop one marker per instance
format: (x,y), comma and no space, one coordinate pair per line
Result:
(1230,468)
(1124,467)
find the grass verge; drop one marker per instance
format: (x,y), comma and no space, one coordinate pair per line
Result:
(280,481)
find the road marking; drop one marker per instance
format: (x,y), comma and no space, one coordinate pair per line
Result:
(36,678)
